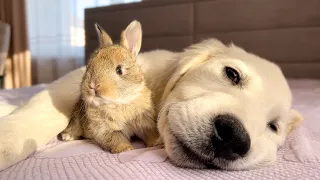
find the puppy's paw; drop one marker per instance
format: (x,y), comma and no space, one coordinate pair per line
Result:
(6,158)
(66,137)
(121,148)
(12,152)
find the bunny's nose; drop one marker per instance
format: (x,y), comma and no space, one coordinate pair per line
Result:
(94,87)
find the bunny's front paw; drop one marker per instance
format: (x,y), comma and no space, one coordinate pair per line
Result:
(159,143)
(67,137)
(121,148)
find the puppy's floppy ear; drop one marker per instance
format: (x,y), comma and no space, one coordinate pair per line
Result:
(295,120)
(191,57)
(104,38)
(131,37)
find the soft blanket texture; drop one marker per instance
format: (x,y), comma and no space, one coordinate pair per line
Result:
(299,158)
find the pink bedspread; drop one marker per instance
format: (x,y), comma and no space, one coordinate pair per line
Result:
(299,158)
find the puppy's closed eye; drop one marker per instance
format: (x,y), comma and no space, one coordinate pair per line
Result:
(273,126)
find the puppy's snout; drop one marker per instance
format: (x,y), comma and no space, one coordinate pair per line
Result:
(230,139)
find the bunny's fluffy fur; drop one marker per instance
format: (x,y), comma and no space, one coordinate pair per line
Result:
(113,107)
(112,125)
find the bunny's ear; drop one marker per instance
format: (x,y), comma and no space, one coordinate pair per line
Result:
(104,38)
(131,37)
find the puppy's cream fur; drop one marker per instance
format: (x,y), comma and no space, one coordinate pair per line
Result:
(199,90)
(188,88)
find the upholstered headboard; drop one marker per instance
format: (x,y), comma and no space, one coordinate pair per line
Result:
(284,31)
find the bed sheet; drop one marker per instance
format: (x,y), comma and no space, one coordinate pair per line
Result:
(298,158)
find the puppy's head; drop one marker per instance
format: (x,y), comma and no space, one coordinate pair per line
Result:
(225,108)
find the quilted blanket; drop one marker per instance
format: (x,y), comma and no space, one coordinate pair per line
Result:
(298,158)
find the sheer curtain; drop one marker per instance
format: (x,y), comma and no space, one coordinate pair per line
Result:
(56,35)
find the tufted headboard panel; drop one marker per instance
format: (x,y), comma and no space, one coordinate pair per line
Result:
(286,32)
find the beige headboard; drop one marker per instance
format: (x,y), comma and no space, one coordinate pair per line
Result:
(284,31)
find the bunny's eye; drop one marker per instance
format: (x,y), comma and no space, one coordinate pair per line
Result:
(119,70)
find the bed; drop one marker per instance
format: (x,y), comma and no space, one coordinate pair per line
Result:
(298,158)
(291,41)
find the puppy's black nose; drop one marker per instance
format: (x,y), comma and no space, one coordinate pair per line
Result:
(230,140)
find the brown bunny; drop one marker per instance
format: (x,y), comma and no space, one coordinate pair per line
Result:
(115,102)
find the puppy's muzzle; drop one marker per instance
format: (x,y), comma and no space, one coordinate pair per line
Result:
(230,140)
